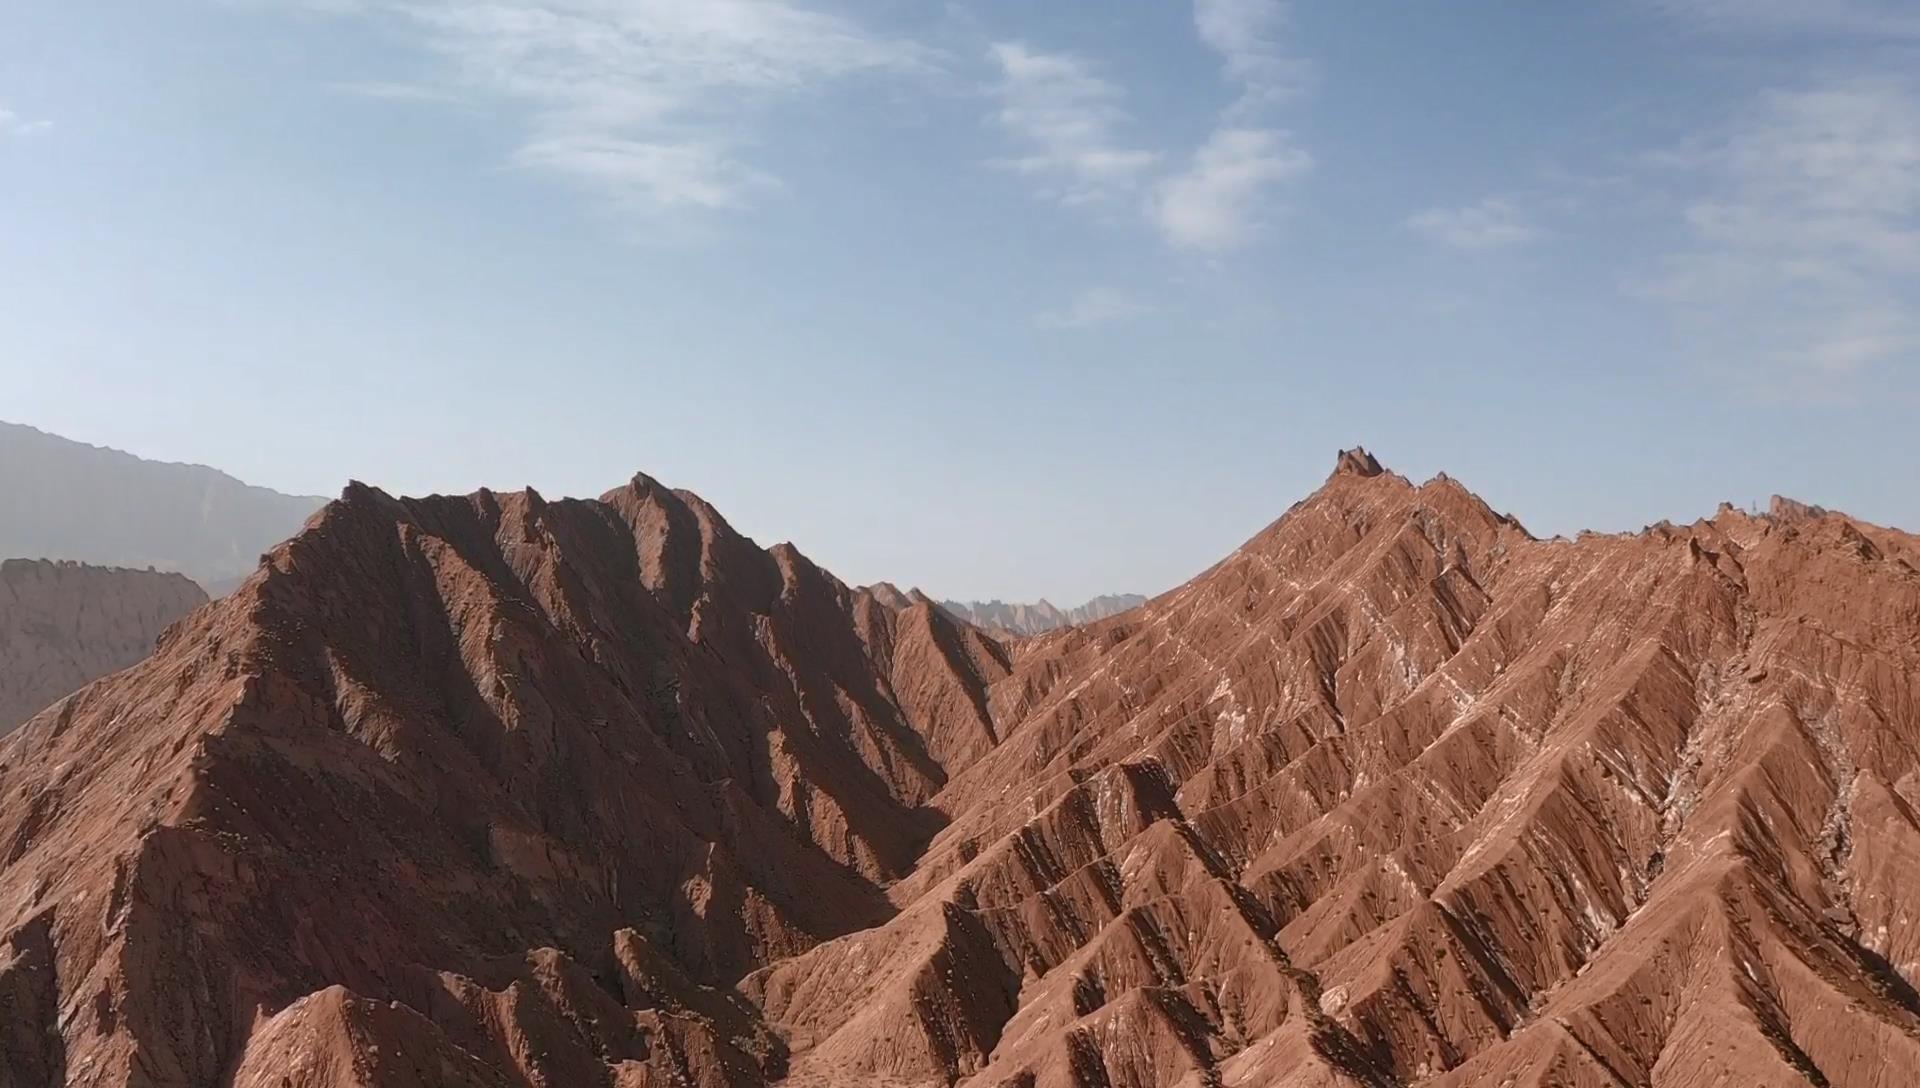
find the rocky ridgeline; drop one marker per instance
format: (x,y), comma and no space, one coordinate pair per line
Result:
(497,790)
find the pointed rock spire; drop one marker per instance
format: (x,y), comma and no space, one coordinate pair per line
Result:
(1357,462)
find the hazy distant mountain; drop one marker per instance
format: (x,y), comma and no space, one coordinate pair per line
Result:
(64,625)
(1042,615)
(61,499)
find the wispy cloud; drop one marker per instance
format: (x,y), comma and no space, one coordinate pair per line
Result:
(1094,306)
(1493,223)
(1066,117)
(1248,35)
(1805,229)
(1217,203)
(650,102)
(675,174)
(12,124)
(1223,198)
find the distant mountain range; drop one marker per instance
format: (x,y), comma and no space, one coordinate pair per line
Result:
(61,499)
(1042,615)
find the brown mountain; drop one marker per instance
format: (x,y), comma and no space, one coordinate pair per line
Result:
(64,624)
(501,791)
(1041,616)
(61,499)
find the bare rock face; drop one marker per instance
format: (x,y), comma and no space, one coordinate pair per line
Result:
(1041,616)
(495,790)
(64,624)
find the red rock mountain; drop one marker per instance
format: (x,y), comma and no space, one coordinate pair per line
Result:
(64,624)
(500,791)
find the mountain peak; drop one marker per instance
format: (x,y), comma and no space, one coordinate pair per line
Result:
(1783,509)
(1356,462)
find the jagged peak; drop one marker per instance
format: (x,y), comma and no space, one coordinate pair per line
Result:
(676,501)
(1444,485)
(641,483)
(645,489)
(357,501)
(1783,509)
(887,594)
(1357,462)
(359,491)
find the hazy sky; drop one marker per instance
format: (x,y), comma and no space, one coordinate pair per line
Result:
(996,298)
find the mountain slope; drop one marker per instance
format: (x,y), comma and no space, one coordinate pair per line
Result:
(494,790)
(461,752)
(64,624)
(61,499)
(1041,616)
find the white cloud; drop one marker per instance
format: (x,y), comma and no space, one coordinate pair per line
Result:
(1221,200)
(1805,230)
(1069,118)
(1493,223)
(1247,34)
(662,175)
(1834,168)
(1218,202)
(1066,117)
(1094,306)
(649,101)
(12,124)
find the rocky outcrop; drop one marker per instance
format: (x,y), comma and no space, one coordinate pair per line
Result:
(1041,616)
(65,624)
(501,790)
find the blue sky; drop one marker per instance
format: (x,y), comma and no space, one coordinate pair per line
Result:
(996,298)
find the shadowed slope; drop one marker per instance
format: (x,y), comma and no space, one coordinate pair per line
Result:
(432,736)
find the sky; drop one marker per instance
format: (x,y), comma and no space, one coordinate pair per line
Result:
(995,298)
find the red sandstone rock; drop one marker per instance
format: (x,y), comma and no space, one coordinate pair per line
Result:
(495,790)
